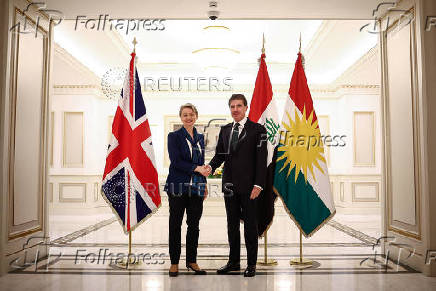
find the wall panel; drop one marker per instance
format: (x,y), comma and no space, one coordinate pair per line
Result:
(73,140)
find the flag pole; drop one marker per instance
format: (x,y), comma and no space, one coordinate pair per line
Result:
(130,231)
(130,241)
(300,262)
(131,261)
(266,261)
(129,251)
(301,247)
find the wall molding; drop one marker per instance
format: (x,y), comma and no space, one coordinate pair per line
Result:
(280,91)
(119,42)
(345,191)
(36,225)
(93,90)
(354,185)
(399,227)
(96,191)
(64,145)
(322,32)
(373,145)
(69,59)
(371,56)
(63,199)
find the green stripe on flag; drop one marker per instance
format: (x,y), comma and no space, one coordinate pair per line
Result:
(302,202)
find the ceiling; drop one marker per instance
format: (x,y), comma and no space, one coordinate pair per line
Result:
(229,9)
(329,46)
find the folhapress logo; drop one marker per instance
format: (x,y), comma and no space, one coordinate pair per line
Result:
(127,25)
(430,23)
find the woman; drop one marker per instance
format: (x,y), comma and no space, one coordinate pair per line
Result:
(186,188)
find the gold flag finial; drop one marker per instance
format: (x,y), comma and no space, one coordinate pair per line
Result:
(263,43)
(303,62)
(299,50)
(134,44)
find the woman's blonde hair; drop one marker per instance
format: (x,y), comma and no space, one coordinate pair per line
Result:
(188,105)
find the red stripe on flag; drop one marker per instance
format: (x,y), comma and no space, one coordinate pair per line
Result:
(262,94)
(299,90)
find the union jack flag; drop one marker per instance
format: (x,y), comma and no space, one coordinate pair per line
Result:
(130,179)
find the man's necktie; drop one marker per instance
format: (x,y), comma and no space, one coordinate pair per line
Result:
(235,137)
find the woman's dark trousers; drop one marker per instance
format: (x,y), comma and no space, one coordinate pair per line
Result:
(194,208)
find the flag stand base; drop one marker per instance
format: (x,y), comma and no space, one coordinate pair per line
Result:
(266,261)
(132,264)
(129,262)
(301,263)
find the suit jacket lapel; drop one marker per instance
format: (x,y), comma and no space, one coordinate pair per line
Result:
(226,137)
(242,135)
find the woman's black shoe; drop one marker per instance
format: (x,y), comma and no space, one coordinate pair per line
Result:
(197,272)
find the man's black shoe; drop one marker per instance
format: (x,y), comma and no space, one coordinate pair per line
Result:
(228,268)
(250,271)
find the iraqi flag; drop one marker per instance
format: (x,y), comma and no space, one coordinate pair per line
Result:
(301,177)
(263,110)
(130,179)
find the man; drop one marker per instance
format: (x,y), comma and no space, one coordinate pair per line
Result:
(242,147)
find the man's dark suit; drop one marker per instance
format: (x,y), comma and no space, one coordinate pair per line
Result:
(243,168)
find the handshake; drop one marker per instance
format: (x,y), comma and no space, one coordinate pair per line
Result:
(204,170)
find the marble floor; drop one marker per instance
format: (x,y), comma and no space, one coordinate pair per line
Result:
(342,252)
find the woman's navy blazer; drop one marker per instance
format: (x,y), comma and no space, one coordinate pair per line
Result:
(181,167)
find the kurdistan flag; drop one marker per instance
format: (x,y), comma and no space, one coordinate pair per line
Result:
(301,178)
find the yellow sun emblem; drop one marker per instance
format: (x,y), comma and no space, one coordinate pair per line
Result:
(301,145)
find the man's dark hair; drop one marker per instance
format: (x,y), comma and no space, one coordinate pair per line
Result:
(238,97)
